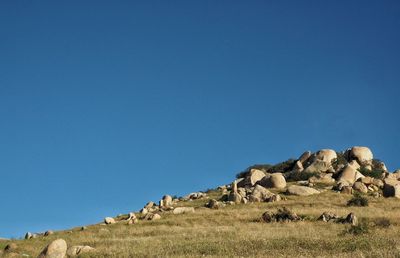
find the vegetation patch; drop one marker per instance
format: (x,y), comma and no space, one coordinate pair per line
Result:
(358,200)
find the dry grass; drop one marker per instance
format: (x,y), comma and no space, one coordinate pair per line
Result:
(234,231)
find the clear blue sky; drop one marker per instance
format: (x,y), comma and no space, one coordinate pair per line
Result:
(105,105)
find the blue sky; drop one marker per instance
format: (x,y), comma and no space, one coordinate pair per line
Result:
(107,105)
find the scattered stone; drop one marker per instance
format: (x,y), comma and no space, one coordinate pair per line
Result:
(56,249)
(301,190)
(132,218)
(195,196)
(327,216)
(48,233)
(78,250)
(182,210)
(260,194)
(214,204)
(152,216)
(282,215)
(109,220)
(351,219)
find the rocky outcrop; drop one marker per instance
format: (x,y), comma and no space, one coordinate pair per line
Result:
(362,154)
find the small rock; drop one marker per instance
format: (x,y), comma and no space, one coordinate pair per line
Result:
(48,233)
(351,219)
(327,216)
(109,220)
(79,249)
(214,204)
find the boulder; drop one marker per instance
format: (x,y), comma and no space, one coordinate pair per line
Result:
(349,174)
(391,188)
(109,220)
(152,216)
(132,219)
(351,219)
(144,211)
(252,178)
(282,215)
(298,167)
(78,250)
(182,210)
(56,249)
(166,201)
(195,196)
(301,190)
(367,180)
(48,233)
(235,198)
(322,179)
(149,205)
(214,204)
(362,154)
(276,180)
(318,166)
(304,157)
(260,194)
(326,155)
(360,187)
(346,190)
(28,235)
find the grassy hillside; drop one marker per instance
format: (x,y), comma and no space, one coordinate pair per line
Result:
(236,231)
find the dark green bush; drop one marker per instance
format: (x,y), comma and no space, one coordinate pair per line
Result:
(375,173)
(282,167)
(340,160)
(382,222)
(358,200)
(300,176)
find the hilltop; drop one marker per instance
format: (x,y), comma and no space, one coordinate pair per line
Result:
(324,203)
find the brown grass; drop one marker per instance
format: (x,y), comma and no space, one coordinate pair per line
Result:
(234,231)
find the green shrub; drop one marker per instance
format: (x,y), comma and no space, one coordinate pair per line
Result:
(375,173)
(301,176)
(340,160)
(361,228)
(358,200)
(282,167)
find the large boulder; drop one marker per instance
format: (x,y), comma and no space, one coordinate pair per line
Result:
(276,180)
(252,178)
(260,194)
(301,190)
(362,154)
(109,220)
(304,157)
(391,188)
(326,155)
(360,187)
(56,249)
(78,250)
(350,173)
(319,166)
